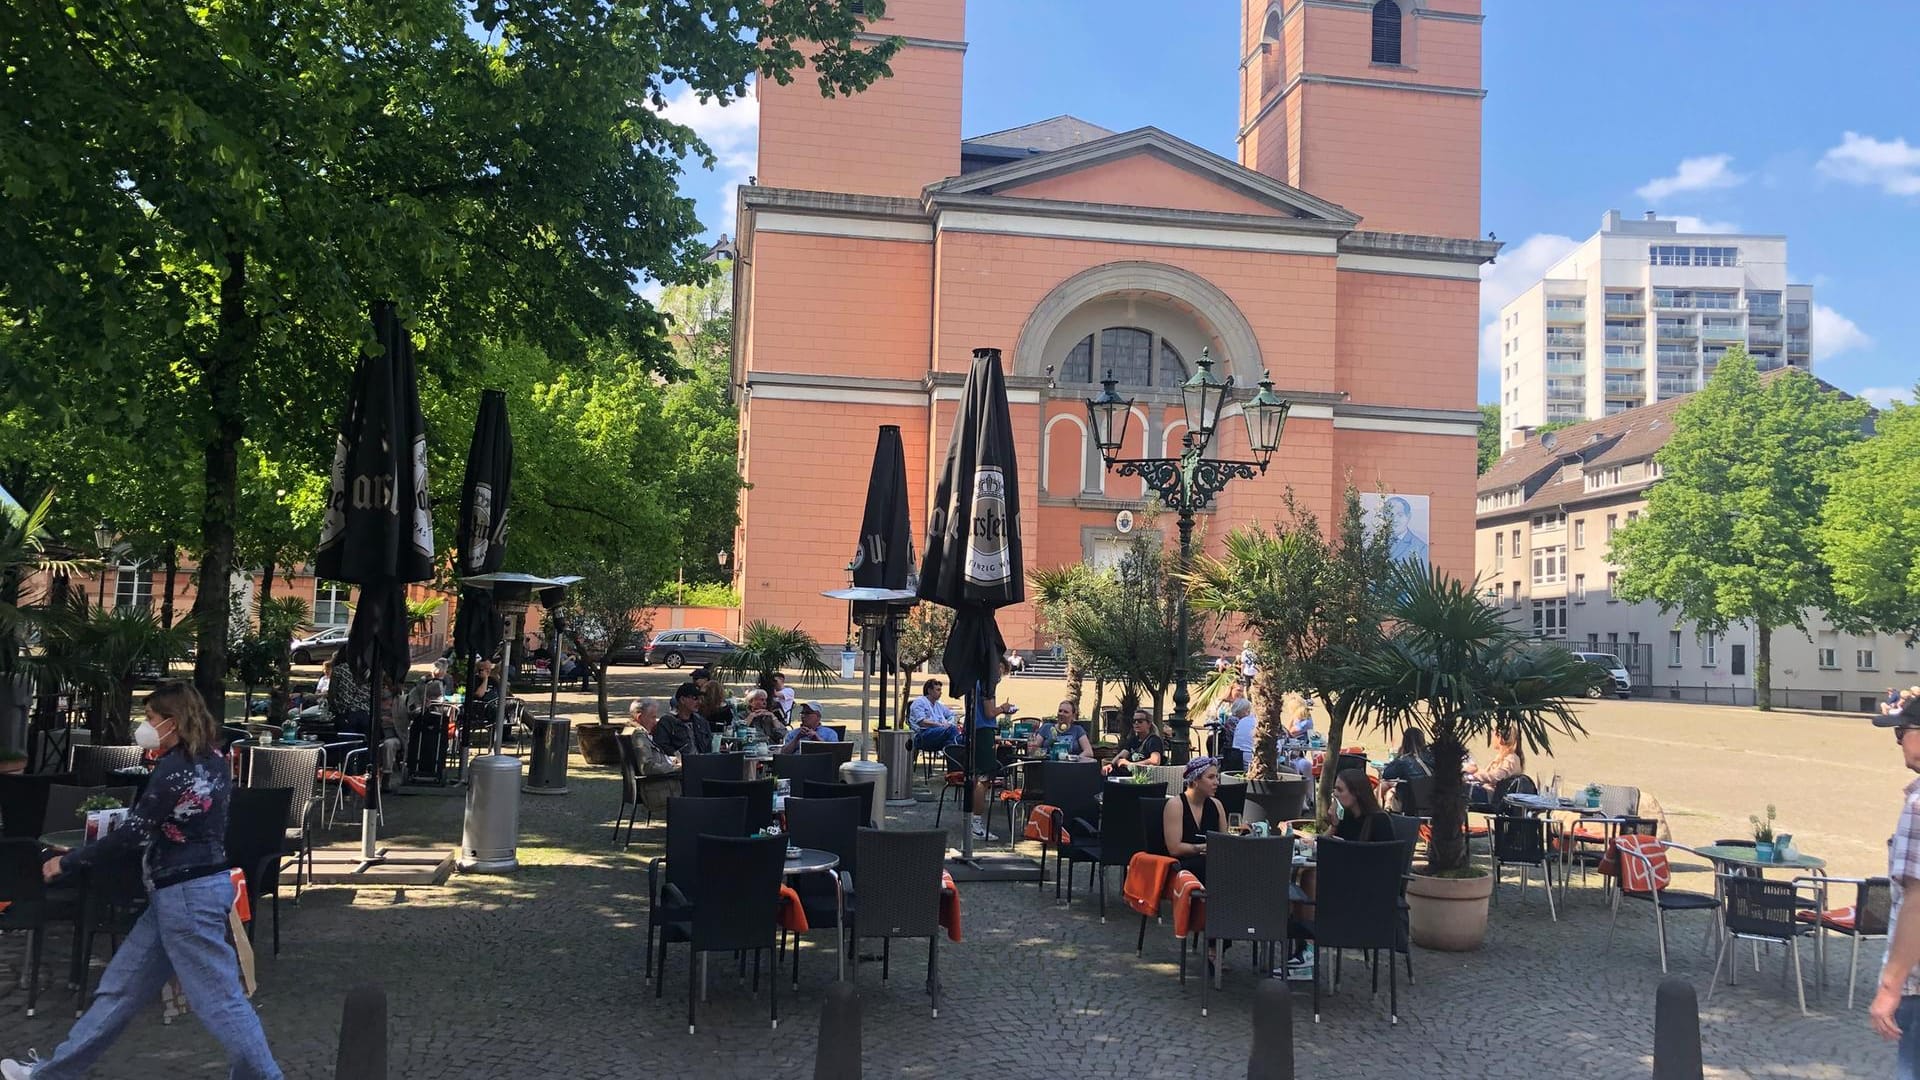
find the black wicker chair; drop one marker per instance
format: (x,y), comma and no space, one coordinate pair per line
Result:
(738,879)
(688,819)
(1356,906)
(29,907)
(832,825)
(1758,909)
(899,896)
(297,770)
(23,803)
(810,789)
(93,766)
(1522,842)
(256,838)
(697,769)
(1246,877)
(1122,834)
(758,793)
(819,768)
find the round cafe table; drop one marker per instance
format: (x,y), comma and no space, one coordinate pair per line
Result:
(1731,855)
(815,861)
(65,838)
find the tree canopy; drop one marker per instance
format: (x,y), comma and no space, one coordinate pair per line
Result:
(1870,526)
(1729,532)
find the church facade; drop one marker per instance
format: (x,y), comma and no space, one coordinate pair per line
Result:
(1339,255)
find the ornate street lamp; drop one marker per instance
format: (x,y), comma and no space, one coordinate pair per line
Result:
(1188,483)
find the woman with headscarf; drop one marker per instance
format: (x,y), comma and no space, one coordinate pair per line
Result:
(1189,818)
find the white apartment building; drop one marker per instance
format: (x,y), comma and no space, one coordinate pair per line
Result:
(1641,313)
(1546,513)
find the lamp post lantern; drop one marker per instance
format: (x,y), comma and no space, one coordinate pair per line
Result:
(1188,483)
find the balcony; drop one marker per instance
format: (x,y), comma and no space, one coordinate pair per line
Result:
(1562,367)
(1677,331)
(1626,333)
(1760,339)
(1627,361)
(1627,388)
(1670,387)
(1761,312)
(1672,301)
(1566,339)
(1723,333)
(1797,343)
(1767,361)
(1797,322)
(1567,394)
(1576,314)
(1677,357)
(1624,305)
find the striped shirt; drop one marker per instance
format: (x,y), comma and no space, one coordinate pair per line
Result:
(1903,863)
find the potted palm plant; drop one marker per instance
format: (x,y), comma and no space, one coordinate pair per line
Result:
(1451,665)
(766,649)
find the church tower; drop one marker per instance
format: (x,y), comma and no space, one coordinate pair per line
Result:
(1371,105)
(893,138)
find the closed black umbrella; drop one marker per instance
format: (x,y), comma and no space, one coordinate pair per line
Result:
(884,559)
(378,532)
(974,563)
(481,545)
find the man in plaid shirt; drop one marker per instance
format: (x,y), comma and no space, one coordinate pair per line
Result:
(1896,1006)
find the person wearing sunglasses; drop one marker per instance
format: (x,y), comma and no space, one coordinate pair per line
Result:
(1895,1013)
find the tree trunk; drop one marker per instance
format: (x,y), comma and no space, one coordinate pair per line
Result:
(221,373)
(1447,850)
(266,583)
(166,602)
(1271,721)
(1338,709)
(116,728)
(600,683)
(1099,698)
(1763,669)
(1129,701)
(1076,683)
(1160,719)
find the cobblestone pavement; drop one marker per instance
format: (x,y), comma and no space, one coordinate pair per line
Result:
(539,974)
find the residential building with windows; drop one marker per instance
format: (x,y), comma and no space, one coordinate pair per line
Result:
(1547,511)
(1642,313)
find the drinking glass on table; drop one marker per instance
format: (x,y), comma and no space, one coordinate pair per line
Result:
(1233,823)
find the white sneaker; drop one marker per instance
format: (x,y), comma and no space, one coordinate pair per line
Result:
(19,1070)
(980,832)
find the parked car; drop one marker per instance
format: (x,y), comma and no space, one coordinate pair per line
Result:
(1622,682)
(676,648)
(319,646)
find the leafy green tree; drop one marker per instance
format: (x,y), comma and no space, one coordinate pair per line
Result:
(1870,527)
(923,636)
(202,200)
(1126,627)
(1489,436)
(1315,601)
(1450,664)
(1729,532)
(1056,591)
(605,612)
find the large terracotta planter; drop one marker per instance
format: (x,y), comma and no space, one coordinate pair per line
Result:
(1449,914)
(597,745)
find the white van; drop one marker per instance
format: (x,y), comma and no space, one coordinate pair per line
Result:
(1622,682)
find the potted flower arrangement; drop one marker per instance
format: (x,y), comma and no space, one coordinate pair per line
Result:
(13,761)
(98,802)
(1763,834)
(1593,796)
(1452,665)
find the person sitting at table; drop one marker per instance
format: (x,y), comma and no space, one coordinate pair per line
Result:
(1299,718)
(808,730)
(1358,810)
(934,725)
(1414,759)
(1189,818)
(653,762)
(325,682)
(1140,747)
(1508,761)
(762,718)
(1244,726)
(715,706)
(1064,733)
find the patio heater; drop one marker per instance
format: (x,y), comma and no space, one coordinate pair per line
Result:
(873,609)
(491,831)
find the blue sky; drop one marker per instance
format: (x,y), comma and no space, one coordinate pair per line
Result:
(1769,115)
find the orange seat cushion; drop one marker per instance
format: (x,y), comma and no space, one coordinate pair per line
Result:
(1841,919)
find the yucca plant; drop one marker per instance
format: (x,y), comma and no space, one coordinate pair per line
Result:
(25,551)
(1451,665)
(766,649)
(1056,591)
(106,652)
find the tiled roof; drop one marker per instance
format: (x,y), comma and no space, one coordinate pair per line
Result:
(1056,133)
(1634,435)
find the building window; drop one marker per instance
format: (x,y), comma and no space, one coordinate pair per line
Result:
(1550,618)
(1710,650)
(1613,586)
(1613,642)
(1273,55)
(1135,357)
(1829,658)
(1550,565)
(1499,550)
(1613,522)
(1499,595)
(1673,648)
(133,586)
(1552,520)
(1909,658)
(1516,594)
(330,603)
(1514,545)
(1633,515)
(1580,588)
(1386,32)
(1579,533)
(1863,659)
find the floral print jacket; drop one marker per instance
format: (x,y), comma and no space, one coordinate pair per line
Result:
(180,821)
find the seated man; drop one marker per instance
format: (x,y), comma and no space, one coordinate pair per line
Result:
(653,762)
(808,730)
(933,723)
(1140,747)
(762,718)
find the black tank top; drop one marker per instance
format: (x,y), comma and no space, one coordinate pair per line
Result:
(1192,833)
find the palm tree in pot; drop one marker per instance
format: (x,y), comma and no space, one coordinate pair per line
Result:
(766,649)
(1452,666)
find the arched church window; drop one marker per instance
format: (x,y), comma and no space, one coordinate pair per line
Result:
(1386,32)
(1128,353)
(1173,367)
(1078,366)
(1273,55)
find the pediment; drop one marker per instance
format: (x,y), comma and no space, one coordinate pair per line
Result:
(1149,169)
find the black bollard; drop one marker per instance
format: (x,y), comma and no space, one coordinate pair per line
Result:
(838,1056)
(1676,1032)
(1272,1057)
(363,1036)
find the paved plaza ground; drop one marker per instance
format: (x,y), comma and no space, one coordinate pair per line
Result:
(539,973)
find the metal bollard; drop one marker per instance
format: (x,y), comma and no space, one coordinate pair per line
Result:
(1676,1032)
(1272,1057)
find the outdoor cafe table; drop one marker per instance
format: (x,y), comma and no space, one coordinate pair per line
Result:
(69,839)
(1746,857)
(808,860)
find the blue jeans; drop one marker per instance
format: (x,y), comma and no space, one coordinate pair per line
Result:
(183,935)
(1908,1017)
(936,738)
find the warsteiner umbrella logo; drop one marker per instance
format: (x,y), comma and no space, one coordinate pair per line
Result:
(987,561)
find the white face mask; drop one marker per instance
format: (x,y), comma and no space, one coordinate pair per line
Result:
(146,736)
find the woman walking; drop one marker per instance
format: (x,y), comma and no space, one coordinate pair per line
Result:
(178,830)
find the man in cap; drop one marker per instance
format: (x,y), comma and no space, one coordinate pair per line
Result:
(808,730)
(1895,1013)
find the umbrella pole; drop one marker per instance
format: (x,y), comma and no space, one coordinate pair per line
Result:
(866,684)
(500,703)
(973,732)
(553,671)
(370,806)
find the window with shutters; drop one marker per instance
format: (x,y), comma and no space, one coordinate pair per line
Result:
(1386,32)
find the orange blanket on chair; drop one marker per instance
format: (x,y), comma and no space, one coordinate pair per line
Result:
(949,906)
(1189,904)
(1146,883)
(1040,824)
(792,916)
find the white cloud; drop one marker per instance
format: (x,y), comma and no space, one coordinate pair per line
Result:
(1834,333)
(1512,273)
(1892,166)
(1690,224)
(1884,397)
(1707,172)
(733,132)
